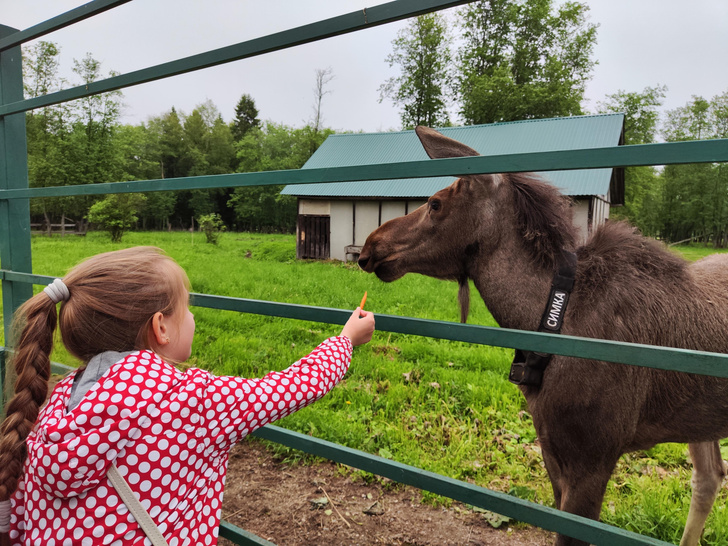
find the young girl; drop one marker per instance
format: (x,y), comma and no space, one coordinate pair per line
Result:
(129,427)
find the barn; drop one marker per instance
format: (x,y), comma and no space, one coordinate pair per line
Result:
(334,219)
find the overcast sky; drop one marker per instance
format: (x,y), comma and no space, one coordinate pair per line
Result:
(640,43)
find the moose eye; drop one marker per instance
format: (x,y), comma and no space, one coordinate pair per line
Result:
(435,205)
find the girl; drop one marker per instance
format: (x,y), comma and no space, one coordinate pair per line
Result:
(129,447)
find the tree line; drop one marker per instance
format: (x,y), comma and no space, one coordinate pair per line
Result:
(83,142)
(512,60)
(677,203)
(531,59)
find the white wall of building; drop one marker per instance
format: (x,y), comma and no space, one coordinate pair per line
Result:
(392,209)
(580,211)
(342,228)
(366,221)
(601,211)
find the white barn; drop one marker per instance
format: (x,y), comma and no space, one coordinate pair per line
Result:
(334,219)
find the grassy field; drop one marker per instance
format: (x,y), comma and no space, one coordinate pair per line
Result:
(443,406)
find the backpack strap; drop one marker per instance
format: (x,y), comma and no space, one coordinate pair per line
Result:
(135,507)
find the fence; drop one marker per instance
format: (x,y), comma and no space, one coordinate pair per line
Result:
(17,278)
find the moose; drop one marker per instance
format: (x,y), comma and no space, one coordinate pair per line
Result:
(512,234)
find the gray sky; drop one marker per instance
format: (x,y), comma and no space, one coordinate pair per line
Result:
(683,45)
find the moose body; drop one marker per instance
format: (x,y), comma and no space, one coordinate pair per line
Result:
(506,232)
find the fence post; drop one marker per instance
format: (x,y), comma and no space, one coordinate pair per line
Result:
(14,213)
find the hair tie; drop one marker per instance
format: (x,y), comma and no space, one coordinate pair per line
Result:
(57,291)
(5,510)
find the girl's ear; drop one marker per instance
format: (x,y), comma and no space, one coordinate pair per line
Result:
(159,330)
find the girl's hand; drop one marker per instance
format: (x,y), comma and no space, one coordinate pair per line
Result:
(360,327)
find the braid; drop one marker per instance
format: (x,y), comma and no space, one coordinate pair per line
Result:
(36,321)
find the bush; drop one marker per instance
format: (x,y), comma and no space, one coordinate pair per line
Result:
(212,225)
(117,213)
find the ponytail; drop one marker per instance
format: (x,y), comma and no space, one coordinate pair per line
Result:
(36,322)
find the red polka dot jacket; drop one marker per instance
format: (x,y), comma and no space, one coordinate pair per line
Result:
(169,434)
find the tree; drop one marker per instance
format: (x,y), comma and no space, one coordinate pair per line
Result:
(640,110)
(421,50)
(519,60)
(209,150)
(71,143)
(96,119)
(642,185)
(270,148)
(696,195)
(45,127)
(324,76)
(690,122)
(246,117)
(117,213)
(168,134)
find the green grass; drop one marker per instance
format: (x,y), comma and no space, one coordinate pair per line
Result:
(443,406)
(695,251)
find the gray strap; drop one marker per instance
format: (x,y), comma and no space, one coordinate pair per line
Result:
(135,507)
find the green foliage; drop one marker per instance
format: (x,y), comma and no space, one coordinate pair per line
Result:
(422,52)
(212,226)
(517,59)
(523,59)
(168,150)
(640,110)
(117,213)
(71,143)
(642,186)
(246,117)
(270,148)
(695,197)
(678,202)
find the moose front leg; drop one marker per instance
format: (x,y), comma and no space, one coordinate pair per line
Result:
(579,475)
(582,494)
(708,474)
(554,472)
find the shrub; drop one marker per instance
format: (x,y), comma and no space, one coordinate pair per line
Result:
(212,225)
(117,213)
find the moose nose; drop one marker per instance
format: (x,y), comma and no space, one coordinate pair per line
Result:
(363,259)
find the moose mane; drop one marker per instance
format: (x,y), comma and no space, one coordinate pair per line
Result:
(543,218)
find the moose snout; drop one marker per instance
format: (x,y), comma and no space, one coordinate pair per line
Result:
(364,258)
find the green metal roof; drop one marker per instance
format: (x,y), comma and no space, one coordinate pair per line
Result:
(493,139)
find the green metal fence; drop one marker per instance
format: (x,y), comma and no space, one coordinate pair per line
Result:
(17,278)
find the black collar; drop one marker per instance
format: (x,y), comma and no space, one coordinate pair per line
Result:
(528,366)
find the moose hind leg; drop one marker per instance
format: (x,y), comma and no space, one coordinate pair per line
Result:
(708,474)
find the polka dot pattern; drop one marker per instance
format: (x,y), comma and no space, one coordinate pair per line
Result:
(169,434)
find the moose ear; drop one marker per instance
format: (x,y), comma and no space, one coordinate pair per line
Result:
(439,146)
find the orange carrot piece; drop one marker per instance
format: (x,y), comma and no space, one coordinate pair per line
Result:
(363,300)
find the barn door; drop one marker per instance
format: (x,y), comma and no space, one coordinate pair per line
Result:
(313,237)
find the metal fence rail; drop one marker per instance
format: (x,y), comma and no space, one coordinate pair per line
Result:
(17,279)
(664,153)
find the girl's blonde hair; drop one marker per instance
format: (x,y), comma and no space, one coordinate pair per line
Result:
(113,297)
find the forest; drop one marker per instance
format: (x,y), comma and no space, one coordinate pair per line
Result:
(490,61)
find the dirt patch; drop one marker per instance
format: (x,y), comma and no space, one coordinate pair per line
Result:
(297,505)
